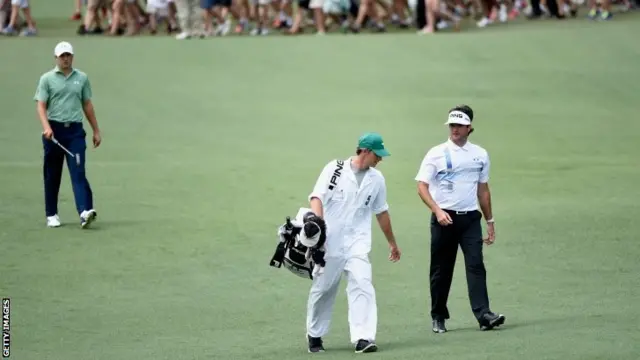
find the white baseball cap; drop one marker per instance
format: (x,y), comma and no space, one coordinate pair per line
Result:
(63,47)
(458,117)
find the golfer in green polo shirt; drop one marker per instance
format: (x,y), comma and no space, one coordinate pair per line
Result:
(63,98)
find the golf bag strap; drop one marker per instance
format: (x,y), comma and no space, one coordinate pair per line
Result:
(336,175)
(278,256)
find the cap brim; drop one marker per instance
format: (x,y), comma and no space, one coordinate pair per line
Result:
(458,121)
(381,152)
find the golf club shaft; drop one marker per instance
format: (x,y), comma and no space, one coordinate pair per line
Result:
(62,147)
(77,157)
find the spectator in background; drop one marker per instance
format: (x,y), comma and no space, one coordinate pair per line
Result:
(367,10)
(284,14)
(398,13)
(246,13)
(485,7)
(262,21)
(92,21)
(190,19)
(12,27)
(436,9)
(125,13)
(210,10)
(604,11)
(338,11)
(5,13)
(302,9)
(77,15)
(159,11)
(420,7)
(317,7)
(550,7)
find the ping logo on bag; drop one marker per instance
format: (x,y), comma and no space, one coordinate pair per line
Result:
(336,175)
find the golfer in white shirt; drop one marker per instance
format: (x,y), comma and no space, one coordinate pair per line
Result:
(453,181)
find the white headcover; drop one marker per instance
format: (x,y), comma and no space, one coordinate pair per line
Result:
(309,241)
(299,221)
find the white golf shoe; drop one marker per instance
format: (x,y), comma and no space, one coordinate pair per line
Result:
(87,217)
(53,221)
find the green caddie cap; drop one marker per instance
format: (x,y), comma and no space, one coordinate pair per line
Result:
(373,141)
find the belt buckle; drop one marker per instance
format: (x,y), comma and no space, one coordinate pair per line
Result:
(461,212)
(67,124)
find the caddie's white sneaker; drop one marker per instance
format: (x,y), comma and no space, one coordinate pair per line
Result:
(53,221)
(87,217)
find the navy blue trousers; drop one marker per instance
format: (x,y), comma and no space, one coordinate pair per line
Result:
(71,136)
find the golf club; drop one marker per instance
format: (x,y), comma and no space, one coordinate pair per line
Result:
(76,156)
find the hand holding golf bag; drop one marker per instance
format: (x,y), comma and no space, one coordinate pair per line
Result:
(301,245)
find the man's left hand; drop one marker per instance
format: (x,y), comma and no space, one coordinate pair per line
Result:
(395,254)
(97,139)
(491,232)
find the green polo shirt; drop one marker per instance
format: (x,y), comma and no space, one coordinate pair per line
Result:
(64,95)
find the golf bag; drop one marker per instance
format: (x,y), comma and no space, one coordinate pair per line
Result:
(301,245)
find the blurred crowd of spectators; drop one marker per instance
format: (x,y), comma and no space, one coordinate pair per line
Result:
(202,18)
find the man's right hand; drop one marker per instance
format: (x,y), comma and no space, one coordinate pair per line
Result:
(47,133)
(443,218)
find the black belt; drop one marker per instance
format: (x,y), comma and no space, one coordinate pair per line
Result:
(456,212)
(65,124)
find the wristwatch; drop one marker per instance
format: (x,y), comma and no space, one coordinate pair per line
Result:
(490,221)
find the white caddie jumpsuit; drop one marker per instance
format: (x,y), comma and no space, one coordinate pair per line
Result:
(348,210)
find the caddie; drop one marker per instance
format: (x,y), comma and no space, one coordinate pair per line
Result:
(345,195)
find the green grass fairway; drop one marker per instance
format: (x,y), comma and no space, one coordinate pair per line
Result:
(209,144)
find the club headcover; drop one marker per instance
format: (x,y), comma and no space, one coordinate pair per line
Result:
(313,234)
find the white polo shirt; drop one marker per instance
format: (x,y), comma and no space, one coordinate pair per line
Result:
(453,174)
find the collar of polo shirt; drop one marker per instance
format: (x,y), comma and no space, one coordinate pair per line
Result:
(455,147)
(57,69)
